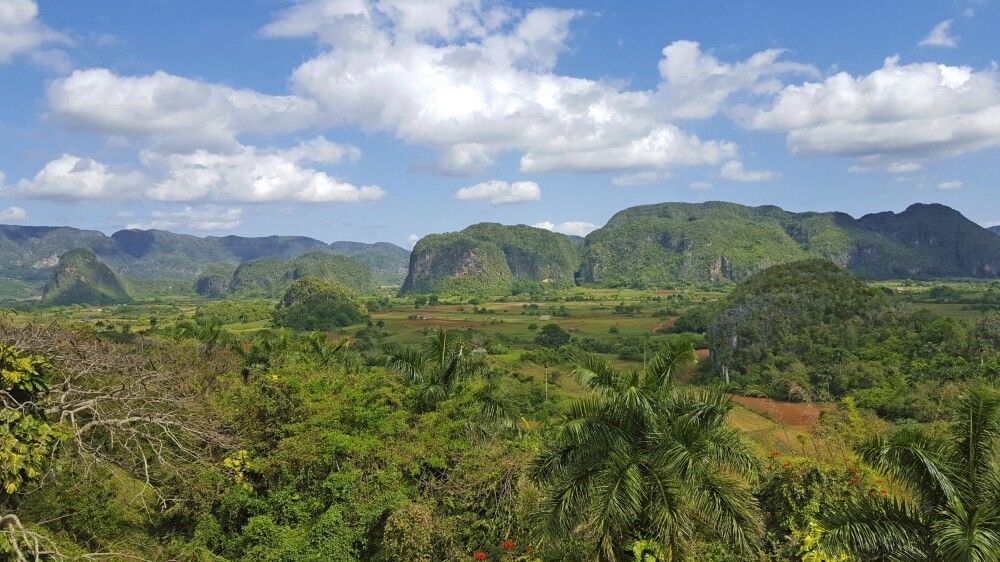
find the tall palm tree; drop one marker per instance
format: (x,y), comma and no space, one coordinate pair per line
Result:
(642,461)
(436,369)
(949,508)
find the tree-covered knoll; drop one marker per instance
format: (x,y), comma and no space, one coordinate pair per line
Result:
(810,331)
(311,303)
(489,258)
(81,278)
(271,277)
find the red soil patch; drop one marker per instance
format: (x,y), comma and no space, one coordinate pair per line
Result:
(664,324)
(804,414)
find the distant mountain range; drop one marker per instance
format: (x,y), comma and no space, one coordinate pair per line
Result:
(31,252)
(656,245)
(644,246)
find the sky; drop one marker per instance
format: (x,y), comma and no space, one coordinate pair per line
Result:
(385,120)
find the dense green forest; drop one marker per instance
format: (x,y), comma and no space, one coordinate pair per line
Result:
(549,422)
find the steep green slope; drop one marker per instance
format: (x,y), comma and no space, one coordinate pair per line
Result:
(388,261)
(270,277)
(30,252)
(949,244)
(489,258)
(81,278)
(656,244)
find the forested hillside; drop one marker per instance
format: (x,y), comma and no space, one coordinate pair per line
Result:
(656,244)
(490,258)
(30,252)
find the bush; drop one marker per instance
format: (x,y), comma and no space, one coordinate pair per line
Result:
(552,336)
(313,304)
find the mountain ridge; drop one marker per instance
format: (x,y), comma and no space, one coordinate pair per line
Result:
(30,252)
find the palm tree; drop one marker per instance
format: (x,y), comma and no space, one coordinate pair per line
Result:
(949,508)
(436,369)
(643,462)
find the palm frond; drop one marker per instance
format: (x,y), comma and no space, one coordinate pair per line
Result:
(876,528)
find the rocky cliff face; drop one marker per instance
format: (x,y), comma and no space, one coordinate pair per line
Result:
(490,258)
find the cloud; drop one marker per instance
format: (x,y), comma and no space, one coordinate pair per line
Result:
(72,177)
(733,171)
(700,185)
(951,184)
(13,214)
(639,178)
(21,32)
(208,217)
(572,228)
(412,239)
(869,164)
(178,112)
(250,174)
(500,192)
(695,84)
(898,112)
(474,80)
(939,36)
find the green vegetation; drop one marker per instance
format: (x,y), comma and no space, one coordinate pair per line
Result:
(388,262)
(489,258)
(80,278)
(809,331)
(314,304)
(945,491)
(270,277)
(309,415)
(656,245)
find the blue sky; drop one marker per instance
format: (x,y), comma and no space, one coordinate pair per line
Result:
(388,119)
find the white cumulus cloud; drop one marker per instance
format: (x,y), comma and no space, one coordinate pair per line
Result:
(72,177)
(572,228)
(898,112)
(21,32)
(499,192)
(733,171)
(13,214)
(940,36)
(473,80)
(180,112)
(950,184)
(207,217)
(250,174)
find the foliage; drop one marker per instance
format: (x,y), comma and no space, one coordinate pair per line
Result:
(552,336)
(489,258)
(80,278)
(314,304)
(26,436)
(946,491)
(271,277)
(641,460)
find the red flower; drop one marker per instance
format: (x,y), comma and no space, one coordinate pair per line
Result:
(884,491)
(878,481)
(528,548)
(854,480)
(775,454)
(507,544)
(853,469)
(480,555)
